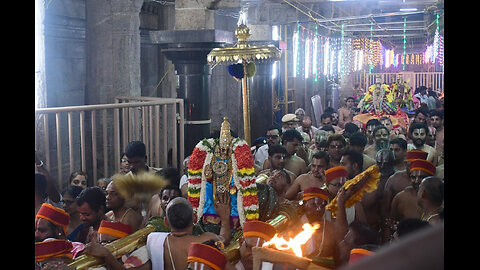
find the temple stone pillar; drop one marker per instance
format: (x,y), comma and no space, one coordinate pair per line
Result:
(113,49)
(188,49)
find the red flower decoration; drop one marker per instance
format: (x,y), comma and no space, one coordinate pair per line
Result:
(244,157)
(194,201)
(247,182)
(250,200)
(195,181)
(196,160)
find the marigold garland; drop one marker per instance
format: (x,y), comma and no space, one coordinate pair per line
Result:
(243,174)
(368,185)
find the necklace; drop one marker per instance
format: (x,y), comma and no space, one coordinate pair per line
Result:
(180,235)
(221,169)
(431,214)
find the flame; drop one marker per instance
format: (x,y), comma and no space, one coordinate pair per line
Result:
(294,243)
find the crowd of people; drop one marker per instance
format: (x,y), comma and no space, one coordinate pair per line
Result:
(367,185)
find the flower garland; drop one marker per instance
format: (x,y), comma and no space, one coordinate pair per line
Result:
(388,94)
(365,182)
(243,174)
(406,95)
(245,181)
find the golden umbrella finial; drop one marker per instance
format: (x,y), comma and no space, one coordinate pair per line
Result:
(245,53)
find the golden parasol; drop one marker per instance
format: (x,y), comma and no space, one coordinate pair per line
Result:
(245,53)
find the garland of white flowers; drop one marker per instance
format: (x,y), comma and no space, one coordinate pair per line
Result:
(207,161)
(239,175)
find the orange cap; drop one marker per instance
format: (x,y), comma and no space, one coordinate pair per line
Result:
(256,228)
(423,165)
(116,229)
(357,254)
(207,255)
(335,172)
(315,192)
(416,154)
(55,215)
(53,248)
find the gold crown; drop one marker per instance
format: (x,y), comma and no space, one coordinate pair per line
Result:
(225,136)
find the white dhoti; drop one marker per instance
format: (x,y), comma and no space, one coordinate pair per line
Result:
(155,242)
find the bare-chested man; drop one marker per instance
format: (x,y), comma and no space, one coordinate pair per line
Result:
(335,146)
(158,204)
(280,182)
(436,120)
(119,212)
(371,201)
(352,160)
(277,155)
(399,149)
(345,114)
(314,178)
(418,132)
(177,243)
(381,137)
(291,139)
(335,178)
(369,127)
(357,142)
(398,182)
(430,199)
(404,204)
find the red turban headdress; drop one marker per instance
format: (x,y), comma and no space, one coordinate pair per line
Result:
(416,154)
(256,228)
(116,229)
(335,172)
(55,215)
(423,165)
(207,255)
(315,192)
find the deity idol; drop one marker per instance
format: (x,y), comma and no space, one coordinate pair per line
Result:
(380,101)
(218,166)
(403,94)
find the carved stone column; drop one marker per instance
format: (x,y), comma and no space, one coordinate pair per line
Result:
(188,49)
(113,49)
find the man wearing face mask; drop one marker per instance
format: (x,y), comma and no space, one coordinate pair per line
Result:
(418,132)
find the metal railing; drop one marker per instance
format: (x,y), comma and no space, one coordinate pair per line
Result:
(91,138)
(432,80)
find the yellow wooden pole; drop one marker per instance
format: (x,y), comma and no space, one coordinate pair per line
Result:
(246,105)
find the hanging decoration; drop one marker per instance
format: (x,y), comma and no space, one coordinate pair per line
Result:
(404,41)
(371,48)
(315,55)
(296,52)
